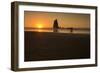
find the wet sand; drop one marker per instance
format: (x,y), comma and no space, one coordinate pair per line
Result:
(40,46)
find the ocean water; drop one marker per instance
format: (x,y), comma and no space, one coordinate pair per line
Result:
(60,31)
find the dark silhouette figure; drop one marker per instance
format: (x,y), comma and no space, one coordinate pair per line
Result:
(71,30)
(55,26)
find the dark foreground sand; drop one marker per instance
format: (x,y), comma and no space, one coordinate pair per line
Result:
(54,46)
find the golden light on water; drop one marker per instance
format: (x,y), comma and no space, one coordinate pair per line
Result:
(39,26)
(39,30)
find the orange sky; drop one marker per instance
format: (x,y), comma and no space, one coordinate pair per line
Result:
(46,19)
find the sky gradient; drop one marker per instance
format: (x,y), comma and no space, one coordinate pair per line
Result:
(46,19)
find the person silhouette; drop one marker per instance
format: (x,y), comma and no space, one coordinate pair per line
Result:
(71,29)
(55,26)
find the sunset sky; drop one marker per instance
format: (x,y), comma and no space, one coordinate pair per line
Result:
(45,19)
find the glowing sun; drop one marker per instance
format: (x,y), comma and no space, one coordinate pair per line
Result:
(39,26)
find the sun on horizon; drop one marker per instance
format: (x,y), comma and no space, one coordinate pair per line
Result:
(39,26)
(46,19)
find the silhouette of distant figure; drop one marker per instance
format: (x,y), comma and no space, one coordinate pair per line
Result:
(55,26)
(71,29)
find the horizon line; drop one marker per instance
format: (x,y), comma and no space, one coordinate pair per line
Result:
(59,28)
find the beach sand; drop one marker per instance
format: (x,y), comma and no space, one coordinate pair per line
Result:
(40,46)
